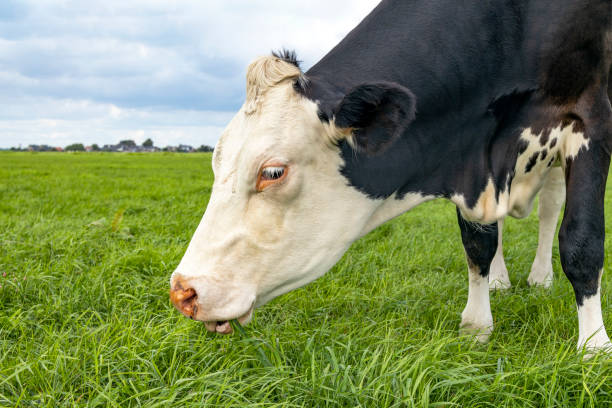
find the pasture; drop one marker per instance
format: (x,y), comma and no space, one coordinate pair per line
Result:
(87,245)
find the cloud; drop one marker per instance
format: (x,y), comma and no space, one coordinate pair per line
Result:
(61,59)
(65,121)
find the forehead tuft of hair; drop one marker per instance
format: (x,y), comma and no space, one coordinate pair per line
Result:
(288,56)
(268,71)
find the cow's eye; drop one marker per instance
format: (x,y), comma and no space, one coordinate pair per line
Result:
(269,175)
(272,173)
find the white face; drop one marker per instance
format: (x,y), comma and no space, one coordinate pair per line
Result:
(279,216)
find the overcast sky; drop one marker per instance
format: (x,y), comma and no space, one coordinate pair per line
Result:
(100,71)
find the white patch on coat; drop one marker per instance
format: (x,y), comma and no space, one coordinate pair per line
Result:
(562,144)
(498,273)
(591,330)
(526,184)
(489,207)
(476,318)
(572,143)
(391,207)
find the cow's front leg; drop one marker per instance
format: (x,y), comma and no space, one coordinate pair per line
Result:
(480,243)
(498,274)
(552,197)
(581,239)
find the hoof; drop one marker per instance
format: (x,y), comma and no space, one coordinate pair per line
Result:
(498,284)
(540,276)
(498,274)
(479,332)
(597,343)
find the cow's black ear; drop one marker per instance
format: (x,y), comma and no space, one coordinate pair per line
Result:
(376,114)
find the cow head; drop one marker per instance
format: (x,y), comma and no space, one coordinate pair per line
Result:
(281,213)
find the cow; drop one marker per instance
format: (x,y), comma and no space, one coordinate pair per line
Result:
(472,102)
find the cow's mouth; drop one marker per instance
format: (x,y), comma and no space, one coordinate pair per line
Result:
(225,327)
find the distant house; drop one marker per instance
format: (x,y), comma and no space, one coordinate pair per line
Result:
(122,146)
(41,148)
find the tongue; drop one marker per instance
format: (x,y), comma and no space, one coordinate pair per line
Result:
(223,327)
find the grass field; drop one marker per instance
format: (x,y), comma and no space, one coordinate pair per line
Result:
(87,245)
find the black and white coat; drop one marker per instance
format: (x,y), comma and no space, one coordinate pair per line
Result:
(473,102)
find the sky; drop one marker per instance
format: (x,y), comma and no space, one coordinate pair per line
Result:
(173,71)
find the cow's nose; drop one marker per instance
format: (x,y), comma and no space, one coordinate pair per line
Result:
(184,298)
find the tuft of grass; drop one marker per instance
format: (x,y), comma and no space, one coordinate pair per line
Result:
(117,218)
(85,318)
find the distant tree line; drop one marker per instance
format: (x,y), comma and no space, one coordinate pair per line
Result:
(123,146)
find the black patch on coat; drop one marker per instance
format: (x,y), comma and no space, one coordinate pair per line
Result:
(506,106)
(532,162)
(544,136)
(552,159)
(522,146)
(480,243)
(553,142)
(543,154)
(377,114)
(288,56)
(578,126)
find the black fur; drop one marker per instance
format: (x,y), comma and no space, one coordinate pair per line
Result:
(575,47)
(533,159)
(377,113)
(288,56)
(480,243)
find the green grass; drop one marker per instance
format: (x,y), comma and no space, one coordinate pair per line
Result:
(87,246)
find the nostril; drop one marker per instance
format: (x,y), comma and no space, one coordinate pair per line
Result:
(185,300)
(188,303)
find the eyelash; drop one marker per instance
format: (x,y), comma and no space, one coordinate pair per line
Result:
(272,173)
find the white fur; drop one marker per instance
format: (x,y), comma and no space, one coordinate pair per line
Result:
(552,197)
(392,207)
(476,318)
(498,273)
(573,143)
(591,331)
(525,185)
(488,207)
